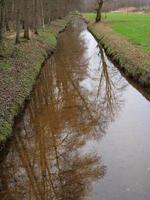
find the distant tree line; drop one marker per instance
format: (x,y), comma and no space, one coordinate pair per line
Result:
(116,4)
(89,5)
(109,5)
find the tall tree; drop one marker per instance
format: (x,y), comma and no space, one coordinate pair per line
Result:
(2,14)
(42,14)
(99,10)
(18,26)
(35,16)
(26,20)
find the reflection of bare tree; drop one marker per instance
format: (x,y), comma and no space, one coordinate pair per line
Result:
(110,86)
(49,167)
(45,160)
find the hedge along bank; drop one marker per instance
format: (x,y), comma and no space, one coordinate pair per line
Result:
(132,59)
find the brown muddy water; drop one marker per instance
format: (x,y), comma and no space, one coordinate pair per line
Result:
(85,134)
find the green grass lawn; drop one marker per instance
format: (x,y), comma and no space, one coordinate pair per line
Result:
(135,27)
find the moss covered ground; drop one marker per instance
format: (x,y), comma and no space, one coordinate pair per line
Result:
(19,69)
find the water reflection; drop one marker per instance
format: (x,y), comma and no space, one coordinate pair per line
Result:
(76,96)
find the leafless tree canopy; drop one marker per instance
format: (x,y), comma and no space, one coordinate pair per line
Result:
(31,14)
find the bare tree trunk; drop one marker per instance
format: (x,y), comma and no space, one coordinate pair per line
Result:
(42,14)
(99,11)
(22,23)
(18,26)
(2,7)
(26,31)
(35,17)
(6,20)
(26,20)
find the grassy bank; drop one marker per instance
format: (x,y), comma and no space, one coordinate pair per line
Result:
(19,69)
(126,38)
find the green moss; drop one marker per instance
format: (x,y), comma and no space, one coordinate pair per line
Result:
(5,65)
(18,52)
(48,36)
(147,64)
(5,131)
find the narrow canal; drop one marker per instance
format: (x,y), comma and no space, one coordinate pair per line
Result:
(85,134)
